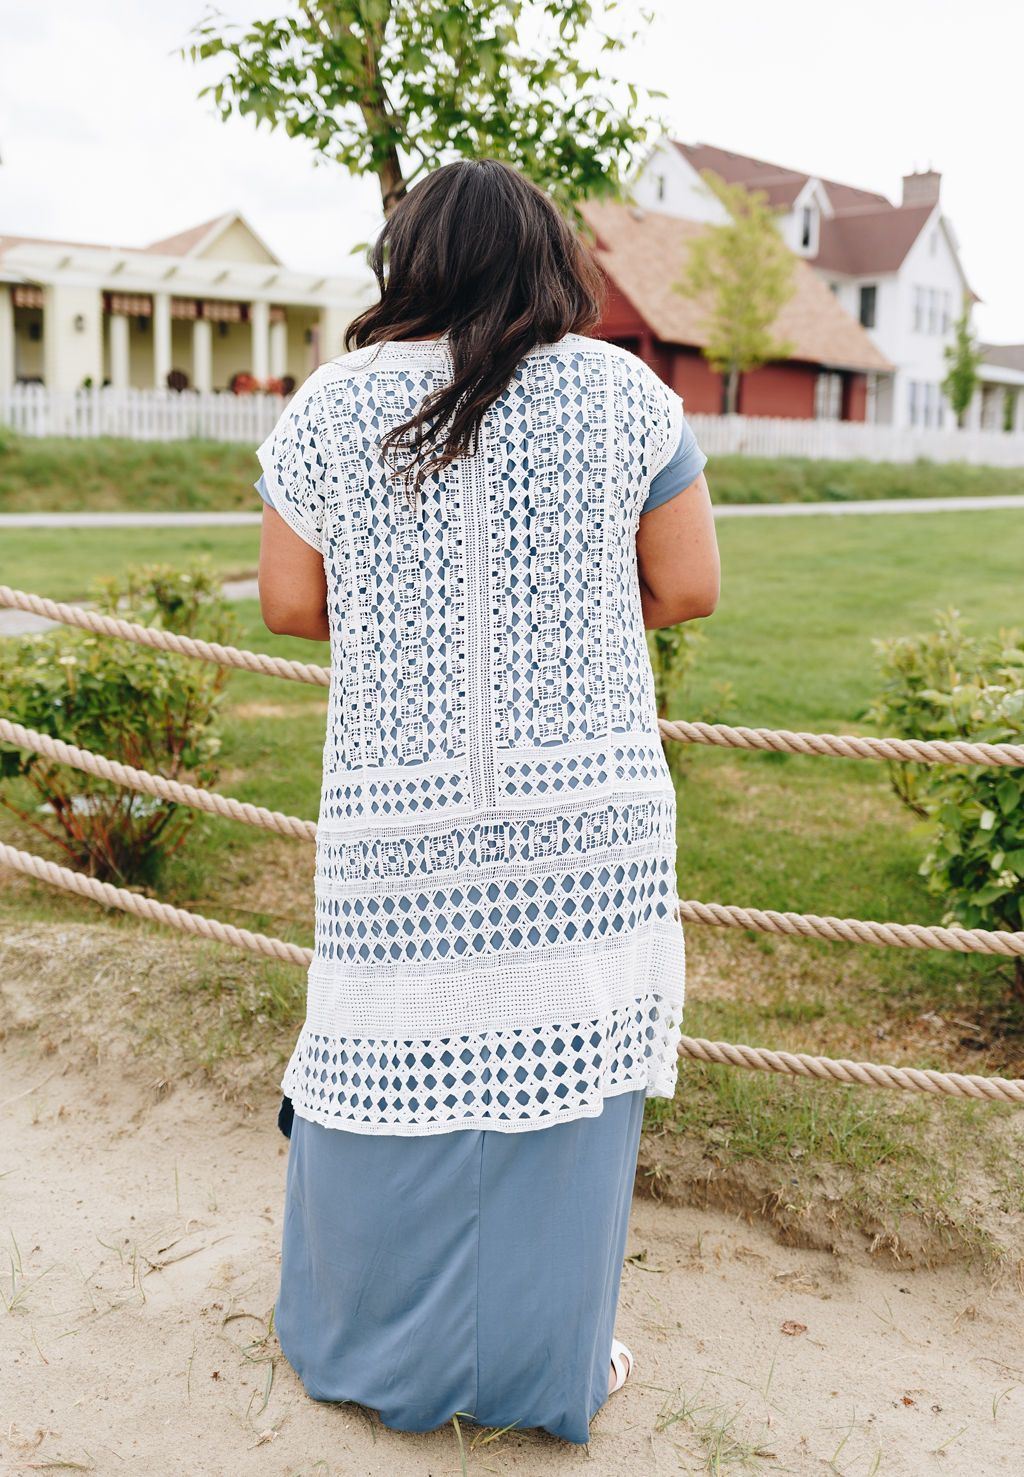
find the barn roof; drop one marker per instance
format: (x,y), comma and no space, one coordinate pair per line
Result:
(643,252)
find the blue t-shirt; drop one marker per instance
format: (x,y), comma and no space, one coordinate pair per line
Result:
(686,463)
(682,468)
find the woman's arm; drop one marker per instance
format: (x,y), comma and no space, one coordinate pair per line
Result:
(292,582)
(678,559)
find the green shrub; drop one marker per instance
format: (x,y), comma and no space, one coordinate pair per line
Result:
(151,709)
(949,685)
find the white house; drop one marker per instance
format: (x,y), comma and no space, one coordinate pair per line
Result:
(208,303)
(896,268)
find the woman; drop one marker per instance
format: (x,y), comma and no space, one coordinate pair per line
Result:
(475,506)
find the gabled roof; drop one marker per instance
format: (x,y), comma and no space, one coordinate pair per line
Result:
(781,184)
(7,242)
(866,233)
(191,242)
(870,240)
(185,242)
(643,252)
(197,240)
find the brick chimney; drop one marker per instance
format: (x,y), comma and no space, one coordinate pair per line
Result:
(921,188)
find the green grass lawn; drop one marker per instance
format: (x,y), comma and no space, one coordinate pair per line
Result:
(800,602)
(61,563)
(108,474)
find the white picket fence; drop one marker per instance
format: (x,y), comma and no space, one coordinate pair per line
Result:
(167,415)
(754,435)
(139,415)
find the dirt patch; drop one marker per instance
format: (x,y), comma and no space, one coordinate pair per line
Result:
(162,1009)
(143,1234)
(167,1012)
(833,1209)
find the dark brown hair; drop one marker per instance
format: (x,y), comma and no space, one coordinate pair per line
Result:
(480,253)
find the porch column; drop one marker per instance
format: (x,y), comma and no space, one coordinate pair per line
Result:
(1018,414)
(279,348)
(161,339)
(119,328)
(202,354)
(972,420)
(6,339)
(72,336)
(334,319)
(259,325)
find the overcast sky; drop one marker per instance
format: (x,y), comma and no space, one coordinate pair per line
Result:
(102,137)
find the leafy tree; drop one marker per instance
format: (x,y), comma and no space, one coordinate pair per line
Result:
(397,87)
(743,271)
(963,358)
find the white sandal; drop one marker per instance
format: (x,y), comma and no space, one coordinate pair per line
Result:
(622,1363)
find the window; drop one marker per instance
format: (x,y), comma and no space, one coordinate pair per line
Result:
(934,321)
(660,186)
(828,396)
(833,288)
(868,302)
(925,406)
(947,312)
(919,309)
(806,227)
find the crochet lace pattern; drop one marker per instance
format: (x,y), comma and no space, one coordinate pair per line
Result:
(496,943)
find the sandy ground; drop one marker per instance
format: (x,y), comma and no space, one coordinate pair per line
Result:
(139,1268)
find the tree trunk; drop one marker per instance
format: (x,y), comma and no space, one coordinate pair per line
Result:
(732,391)
(392,182)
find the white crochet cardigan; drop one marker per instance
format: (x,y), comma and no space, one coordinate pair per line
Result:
(496,943)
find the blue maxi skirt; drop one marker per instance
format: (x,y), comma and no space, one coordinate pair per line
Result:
(471,1272)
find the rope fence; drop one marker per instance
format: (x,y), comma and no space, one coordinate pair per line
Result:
(721,735)
(722,915)
(758,1058)
(213,803)
(803,925)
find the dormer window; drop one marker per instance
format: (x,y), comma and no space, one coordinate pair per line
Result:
(808,229)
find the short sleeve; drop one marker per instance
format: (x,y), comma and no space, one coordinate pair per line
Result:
(682,468)
(261,487)
(295,463)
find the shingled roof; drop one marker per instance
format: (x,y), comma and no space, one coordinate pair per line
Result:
(643,252)
(781,184)
(867,233)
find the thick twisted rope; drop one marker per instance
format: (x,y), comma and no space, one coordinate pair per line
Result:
(850,746)
(690,910)
(147,907)
(860,1074)
(207,651)
(155,784)
(855,930)
(755,1058)
(721,735)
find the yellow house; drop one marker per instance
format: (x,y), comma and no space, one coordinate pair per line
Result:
(201,306)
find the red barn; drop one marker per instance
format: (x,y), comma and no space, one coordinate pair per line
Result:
(643,253)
